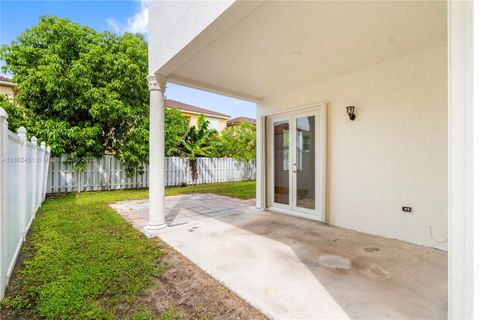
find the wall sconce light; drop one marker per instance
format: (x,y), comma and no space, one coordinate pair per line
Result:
(351,112)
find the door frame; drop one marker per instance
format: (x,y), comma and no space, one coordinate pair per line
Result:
(320,112)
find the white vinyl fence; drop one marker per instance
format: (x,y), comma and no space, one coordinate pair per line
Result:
(23,183)
(108,173)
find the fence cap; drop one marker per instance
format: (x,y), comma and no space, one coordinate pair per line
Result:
(22,131)
(3,114)
(48,149)
(43,144)
(34,140)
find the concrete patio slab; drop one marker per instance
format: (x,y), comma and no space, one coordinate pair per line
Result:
(291,268)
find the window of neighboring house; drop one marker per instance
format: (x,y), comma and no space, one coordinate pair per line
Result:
(213,123)
(306,143)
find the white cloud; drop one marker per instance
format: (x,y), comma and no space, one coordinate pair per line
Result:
(138,23)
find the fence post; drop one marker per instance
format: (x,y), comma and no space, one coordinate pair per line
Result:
(47,166)
(34,175)
(109,173)
(41,165)
(3,159)
(22,180)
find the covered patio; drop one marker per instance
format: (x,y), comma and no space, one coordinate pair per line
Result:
(291,268)
(383,169)
(364,122)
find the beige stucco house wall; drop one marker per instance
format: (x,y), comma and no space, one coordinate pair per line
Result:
(394,154)
(7,87)
(216,123)
(7,90)
(216,120)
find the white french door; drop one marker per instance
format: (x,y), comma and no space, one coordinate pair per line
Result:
(296,163)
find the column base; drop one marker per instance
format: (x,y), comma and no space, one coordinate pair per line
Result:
(154,230)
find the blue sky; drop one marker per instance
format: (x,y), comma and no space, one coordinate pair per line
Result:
(113,16)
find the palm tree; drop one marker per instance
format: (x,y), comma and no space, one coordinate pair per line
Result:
(197,142)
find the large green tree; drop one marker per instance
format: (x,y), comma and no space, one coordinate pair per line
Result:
(176,127)
(82,91)
(239,141)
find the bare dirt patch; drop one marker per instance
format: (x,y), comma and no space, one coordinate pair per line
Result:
(195,294)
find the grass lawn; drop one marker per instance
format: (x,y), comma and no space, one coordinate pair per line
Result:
(82,260)
(241,190)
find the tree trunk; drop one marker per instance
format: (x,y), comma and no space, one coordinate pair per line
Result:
(193,168)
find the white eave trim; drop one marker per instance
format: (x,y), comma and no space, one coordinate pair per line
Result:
(8,84)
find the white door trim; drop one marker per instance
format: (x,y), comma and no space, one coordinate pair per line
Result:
(320,112)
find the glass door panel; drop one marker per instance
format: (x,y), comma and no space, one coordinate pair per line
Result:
(295,161)
(304,165)
(281,162)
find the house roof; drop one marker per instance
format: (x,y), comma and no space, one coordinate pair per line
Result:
(6,79)
(237,120)
(169,103)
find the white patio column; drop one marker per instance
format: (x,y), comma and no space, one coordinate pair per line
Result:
(156,216)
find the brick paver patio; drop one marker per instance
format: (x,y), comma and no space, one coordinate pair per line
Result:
(183,209)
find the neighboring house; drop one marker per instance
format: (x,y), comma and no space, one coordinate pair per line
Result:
(401,169)
(7,87)
(238,120)
(217,120)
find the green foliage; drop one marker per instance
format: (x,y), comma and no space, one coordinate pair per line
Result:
(239,142)
(176,127)
(197,142)
(16,115)
(84,92)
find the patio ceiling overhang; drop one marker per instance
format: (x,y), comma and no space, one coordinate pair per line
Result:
(252,50)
